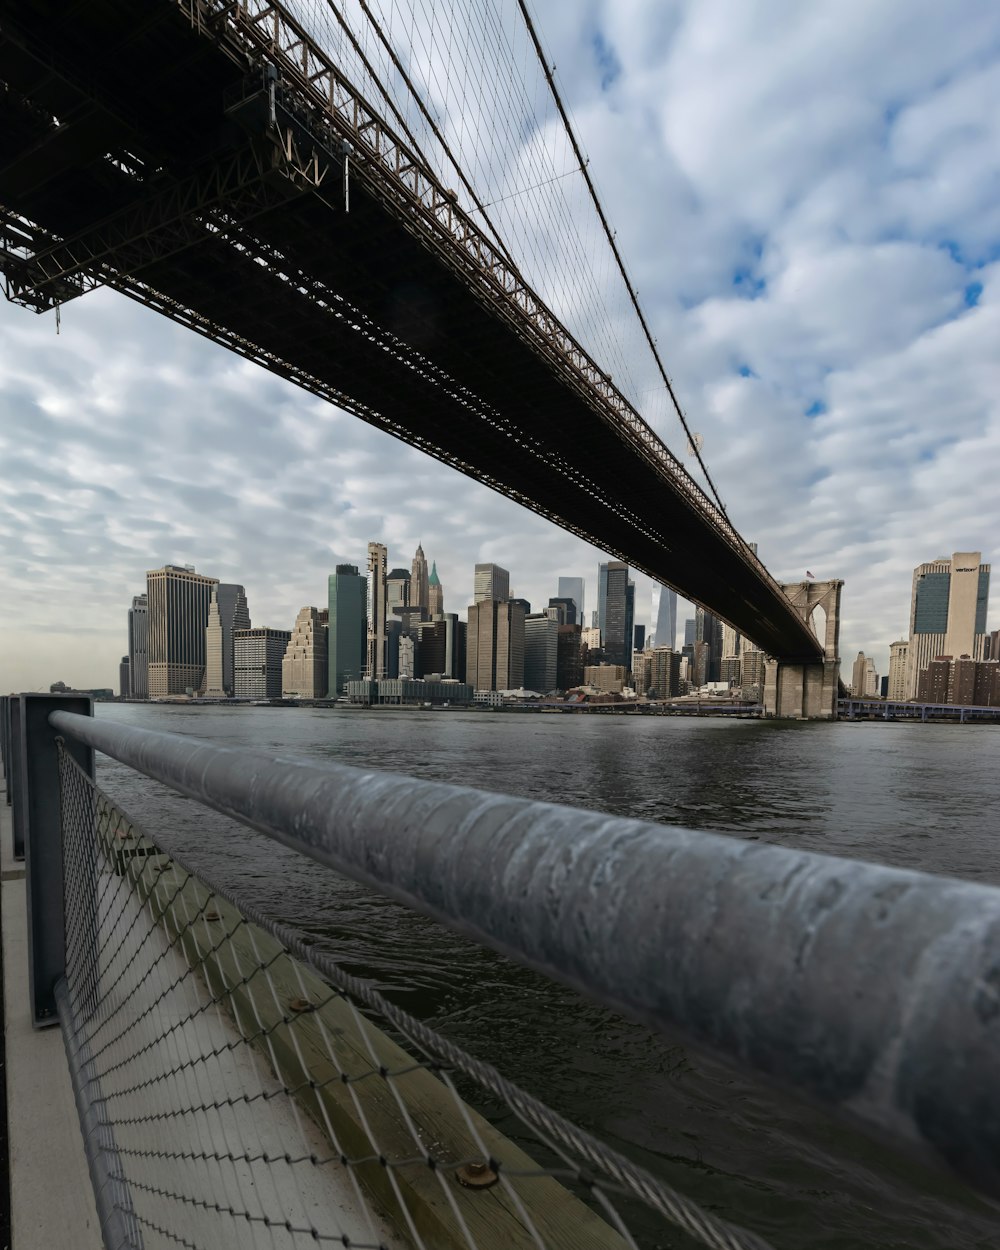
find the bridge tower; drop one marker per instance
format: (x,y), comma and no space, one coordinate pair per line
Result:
(809,690)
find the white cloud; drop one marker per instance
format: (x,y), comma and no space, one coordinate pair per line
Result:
(808,193)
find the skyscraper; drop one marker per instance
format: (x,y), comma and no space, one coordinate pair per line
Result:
(572,588)
(435,593)
(665,634)
(178,601)
(689,627)
(495,646)
(708,629)
(492,583)
(419,581)
(376,657)
(138,643)
(123,678)
(227,610)
(398,592)
(257,657)
(348,606)
(305,667)
(541,652)
(566,610)
(947,612)
(897,669)
(614,612)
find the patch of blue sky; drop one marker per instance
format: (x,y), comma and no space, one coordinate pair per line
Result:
(815,409)
(745,371)
(972,293)
(607,61)
(747,282)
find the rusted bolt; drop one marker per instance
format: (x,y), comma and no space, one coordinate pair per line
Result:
(212,915)
(476,1176)
(301,1004)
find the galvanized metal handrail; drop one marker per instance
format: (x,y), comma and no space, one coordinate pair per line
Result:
(873,988)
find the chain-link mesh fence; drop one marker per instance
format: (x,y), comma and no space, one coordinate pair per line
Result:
(238,1089)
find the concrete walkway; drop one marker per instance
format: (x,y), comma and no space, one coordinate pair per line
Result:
(52,1200)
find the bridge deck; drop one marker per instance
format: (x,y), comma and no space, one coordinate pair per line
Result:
(359,306)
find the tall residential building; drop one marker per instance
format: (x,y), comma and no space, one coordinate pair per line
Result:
(492,583)
(178,600)
(613,611)
(124,684)
(665,634)
(572,588)
(227,611)
(138,643)
(420,582)
(348,616)
(376,657)
(495,646)
(305,667)
(257,657)
(947,612)
(435,593)
(664,673)
(708,629)
(541,652)
(897,670)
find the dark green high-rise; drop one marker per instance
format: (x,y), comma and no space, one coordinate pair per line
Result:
(348,627)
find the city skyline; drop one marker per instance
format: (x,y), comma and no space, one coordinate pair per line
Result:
(806,317)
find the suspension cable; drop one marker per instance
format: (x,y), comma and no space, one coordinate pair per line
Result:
(614,248)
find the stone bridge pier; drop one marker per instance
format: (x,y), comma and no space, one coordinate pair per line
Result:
(809,691)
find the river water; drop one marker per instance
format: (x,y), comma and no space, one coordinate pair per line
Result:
(917,796)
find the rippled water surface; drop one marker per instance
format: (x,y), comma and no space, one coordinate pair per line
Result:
(919,796)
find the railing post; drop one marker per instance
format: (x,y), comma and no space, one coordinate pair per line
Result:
(38,792)
(15,787)
(5,702)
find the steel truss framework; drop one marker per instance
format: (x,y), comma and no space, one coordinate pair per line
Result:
(304,133)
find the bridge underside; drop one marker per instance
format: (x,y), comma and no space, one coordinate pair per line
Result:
(164,179)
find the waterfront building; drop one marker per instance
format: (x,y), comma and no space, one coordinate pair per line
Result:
(495,646)
(541,652)
(642,671)
(347,619)
(961,680)
(123,678)
(616,608)
(752,664)
(138,643)
(607,678)
(435,593)
(403,690)
(665,634)
(991,649)
(492,584)
(698,659)
(257,656)
(227,611)
(420,582)
(375,653)
(177,600)
(572,588)
(569,657)
(897,670)
(305,667)
(948,604)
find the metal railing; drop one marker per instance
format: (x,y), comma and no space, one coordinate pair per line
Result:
(874,989)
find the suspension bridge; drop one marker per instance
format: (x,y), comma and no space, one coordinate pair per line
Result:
(273,177)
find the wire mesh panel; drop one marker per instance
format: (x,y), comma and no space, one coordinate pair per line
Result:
(238,1089)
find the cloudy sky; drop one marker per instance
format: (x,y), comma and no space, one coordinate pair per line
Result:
(809,202)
